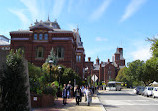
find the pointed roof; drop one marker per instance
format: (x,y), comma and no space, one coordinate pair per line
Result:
(41,25)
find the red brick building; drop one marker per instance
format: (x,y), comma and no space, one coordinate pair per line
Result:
(42,37)
(106,71)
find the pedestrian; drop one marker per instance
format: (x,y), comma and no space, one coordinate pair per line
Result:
(64,94)
(85,90)
(78,95)
(89,94)
(69,87)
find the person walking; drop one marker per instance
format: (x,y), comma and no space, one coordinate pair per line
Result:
(69,87)
(89,94)
(64,94)
(77,95)
(85,90)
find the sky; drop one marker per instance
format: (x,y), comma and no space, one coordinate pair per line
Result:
(104,25)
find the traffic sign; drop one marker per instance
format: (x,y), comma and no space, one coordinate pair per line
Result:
(94,78)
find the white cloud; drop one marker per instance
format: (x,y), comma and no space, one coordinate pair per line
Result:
(101,9)
(142,51)
(132,8)
(70,6)
(57,8)
(101,39)
(71,26)
(21,16)
(32,7)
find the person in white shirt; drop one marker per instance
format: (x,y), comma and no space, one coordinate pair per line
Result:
(89,94)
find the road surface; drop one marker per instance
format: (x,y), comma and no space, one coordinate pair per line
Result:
(125,100)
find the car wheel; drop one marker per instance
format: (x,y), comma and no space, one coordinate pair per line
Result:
(153,96)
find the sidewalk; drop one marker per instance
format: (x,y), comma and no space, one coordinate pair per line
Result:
(71,106)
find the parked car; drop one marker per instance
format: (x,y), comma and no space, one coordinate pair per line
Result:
(148,91)
(139,89)
(155,92)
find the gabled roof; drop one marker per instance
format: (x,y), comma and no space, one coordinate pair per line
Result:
(41,25)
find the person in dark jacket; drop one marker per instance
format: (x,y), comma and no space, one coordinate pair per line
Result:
(78,95)
(64,94)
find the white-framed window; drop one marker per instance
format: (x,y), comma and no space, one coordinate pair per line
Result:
(109,77)
(60,52)
(40,52)
(45,36)
(35,36)
(78,58)
(40,36)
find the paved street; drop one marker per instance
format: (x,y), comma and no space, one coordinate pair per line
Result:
(125,100)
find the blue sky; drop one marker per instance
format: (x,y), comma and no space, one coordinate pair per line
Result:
(104,25)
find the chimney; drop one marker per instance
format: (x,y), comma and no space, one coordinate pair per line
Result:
(89,59)
(108,60)
(97,61)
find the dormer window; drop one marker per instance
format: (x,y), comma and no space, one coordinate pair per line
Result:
(35,36)
(45,36)
(40,36)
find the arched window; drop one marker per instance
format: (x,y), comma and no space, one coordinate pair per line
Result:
(40,36)
(60,52)
(35,36)
(45,36)
(78,58)
(39,52)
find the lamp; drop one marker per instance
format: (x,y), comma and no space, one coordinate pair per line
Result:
(50,65)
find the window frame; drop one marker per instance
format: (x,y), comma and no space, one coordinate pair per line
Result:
(45,36)
(40,36)
(62,52)
(42,52)
(35,36)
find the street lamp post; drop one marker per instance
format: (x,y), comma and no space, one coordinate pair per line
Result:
(59,79)
(59,73)
(50,65)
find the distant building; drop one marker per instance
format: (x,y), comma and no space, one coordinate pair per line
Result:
(4,50)
(42,37)
(106,71)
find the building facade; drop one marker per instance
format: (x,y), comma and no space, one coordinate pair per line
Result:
(41,37)
(106,71)
(4,50)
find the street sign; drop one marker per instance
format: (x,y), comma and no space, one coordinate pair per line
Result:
(94,78)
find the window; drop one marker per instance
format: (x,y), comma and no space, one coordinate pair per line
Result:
(40,36)
(117,58)
(78,58)
(45,36)
(60,52)
(40,52)
(109,72)
(35,36)
(109,77)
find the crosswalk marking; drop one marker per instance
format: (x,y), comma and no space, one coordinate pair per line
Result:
(128,102)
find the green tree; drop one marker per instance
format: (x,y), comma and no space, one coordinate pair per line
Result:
(135,72)
(13,83)
(52,57)
(151,70)
(122,75)
(154,46)
(69,75)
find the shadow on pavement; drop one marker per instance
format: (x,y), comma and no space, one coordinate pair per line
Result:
(109,106)
(119,94)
